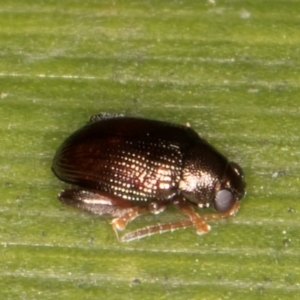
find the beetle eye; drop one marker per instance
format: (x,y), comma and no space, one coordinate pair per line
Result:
(223,201)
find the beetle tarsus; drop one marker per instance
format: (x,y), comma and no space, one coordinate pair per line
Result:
(155,229)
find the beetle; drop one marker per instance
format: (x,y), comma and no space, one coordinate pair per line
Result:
(126,166)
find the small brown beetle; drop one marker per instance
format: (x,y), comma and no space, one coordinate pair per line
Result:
(124,166)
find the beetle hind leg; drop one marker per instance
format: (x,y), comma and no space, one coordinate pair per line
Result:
(120,223)
(101,203)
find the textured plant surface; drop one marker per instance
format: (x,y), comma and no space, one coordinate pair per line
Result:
(229,68)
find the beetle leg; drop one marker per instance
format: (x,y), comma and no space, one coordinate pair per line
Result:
(120,223)
(151,230)
(187,209)
(96,202)
(224,215)
(101,203)
(184,207)
(195,219)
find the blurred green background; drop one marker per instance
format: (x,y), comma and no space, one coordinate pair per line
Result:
(229,68)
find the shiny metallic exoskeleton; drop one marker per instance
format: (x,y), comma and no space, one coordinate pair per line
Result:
(125,166)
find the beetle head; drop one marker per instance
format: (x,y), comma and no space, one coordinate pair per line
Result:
(230,189)
(208,185)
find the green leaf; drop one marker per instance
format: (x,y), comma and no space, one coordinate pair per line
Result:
(228,68)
